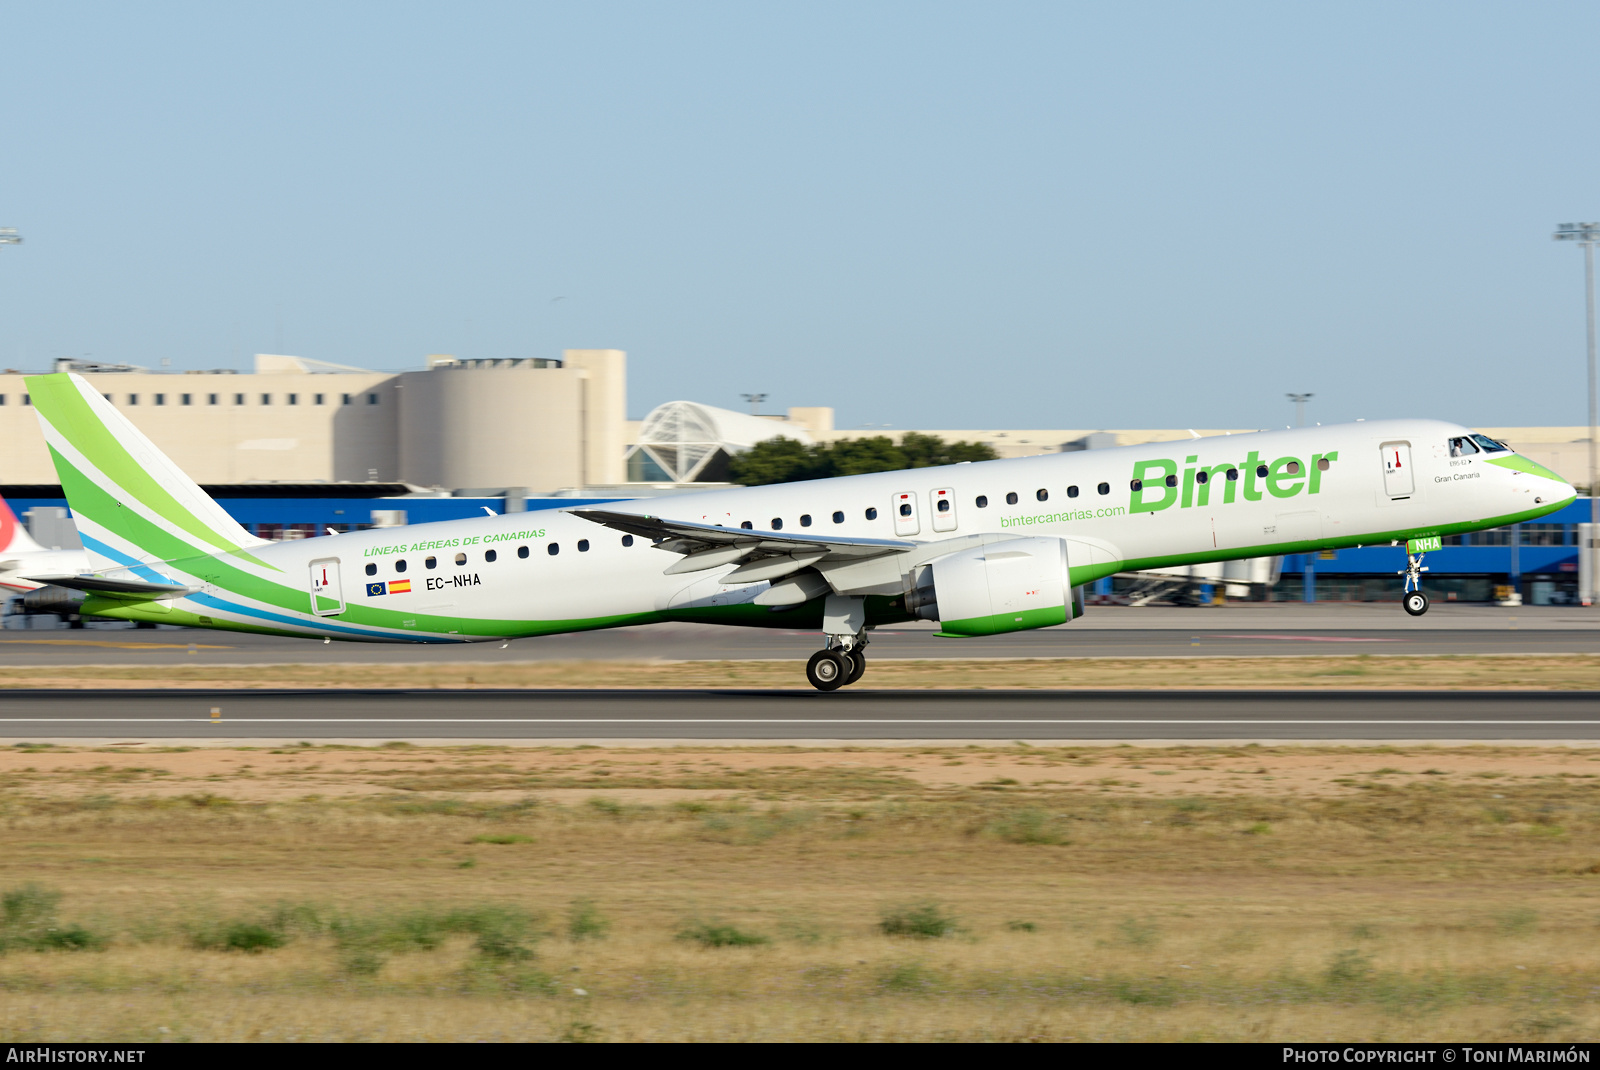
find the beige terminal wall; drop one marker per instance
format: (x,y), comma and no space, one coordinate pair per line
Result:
(483,424)
(278,430)
(463,424)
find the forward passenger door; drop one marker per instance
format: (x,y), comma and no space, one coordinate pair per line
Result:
(1398,481)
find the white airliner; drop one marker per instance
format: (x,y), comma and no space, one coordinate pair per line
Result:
(21,556)
(984,548)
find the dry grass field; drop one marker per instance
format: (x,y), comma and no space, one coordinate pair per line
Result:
(1545,672)
(696,893)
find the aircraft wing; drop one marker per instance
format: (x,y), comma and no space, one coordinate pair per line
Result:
(708,545)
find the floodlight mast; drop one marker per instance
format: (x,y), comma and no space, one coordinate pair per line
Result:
(755,401)
(1299,407)
(1586,234)
(9,236)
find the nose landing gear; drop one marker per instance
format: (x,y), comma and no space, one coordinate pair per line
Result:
(1414,600)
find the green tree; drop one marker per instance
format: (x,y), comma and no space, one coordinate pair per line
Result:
(779,460)
(783,460)
(929,451)
(857,456)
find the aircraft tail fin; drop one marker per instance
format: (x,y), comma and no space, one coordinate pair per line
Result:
(14,538)
(131,503)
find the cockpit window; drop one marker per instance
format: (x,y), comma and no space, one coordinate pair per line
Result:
(1490,445)
(1462,447)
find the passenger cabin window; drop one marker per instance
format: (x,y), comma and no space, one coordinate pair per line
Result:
(982,501)
(1042,494)
(583,546)
(1462,447)
(1261,471)
(627,540)
(1011,499)
(905,509)
(838,517)
(1072,491)
(777,524)
(1202,476)
(1136,485)
(1172,481)
(747,525)
(522,551)
(400,565)
(461,559)
(372,568)
(872,513)
(490,555)
(944,505)
(1293,469)
(554,548)
(430,562)
(1104,488)
(1233,475)
(1322,464)
(805,520)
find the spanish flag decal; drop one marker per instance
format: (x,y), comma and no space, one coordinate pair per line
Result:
(399,586)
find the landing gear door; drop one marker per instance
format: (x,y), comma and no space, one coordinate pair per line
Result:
(905,515)
(943,503)
(327,594)
(1397,477)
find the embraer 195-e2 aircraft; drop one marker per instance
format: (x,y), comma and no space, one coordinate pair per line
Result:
(982,548)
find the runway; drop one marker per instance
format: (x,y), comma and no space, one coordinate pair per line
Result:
(1106,631)
(798,715)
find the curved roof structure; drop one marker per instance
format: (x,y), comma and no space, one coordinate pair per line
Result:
(686,442)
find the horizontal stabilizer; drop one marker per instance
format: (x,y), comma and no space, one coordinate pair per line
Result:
(132,590)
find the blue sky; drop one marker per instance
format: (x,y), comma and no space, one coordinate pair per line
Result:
(923,214)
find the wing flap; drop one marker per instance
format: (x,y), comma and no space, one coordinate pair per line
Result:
(688,537)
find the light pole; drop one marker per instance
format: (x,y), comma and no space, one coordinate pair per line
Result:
(1299,408)
(755,401)
(1586,234)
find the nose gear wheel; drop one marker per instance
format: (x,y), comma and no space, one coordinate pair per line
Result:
(1414,601)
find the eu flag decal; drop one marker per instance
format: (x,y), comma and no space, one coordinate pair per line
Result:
(375,589)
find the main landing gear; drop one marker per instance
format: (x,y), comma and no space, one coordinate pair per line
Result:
(844,660)
(1414,600)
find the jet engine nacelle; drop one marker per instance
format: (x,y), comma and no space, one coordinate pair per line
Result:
(1009,585)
